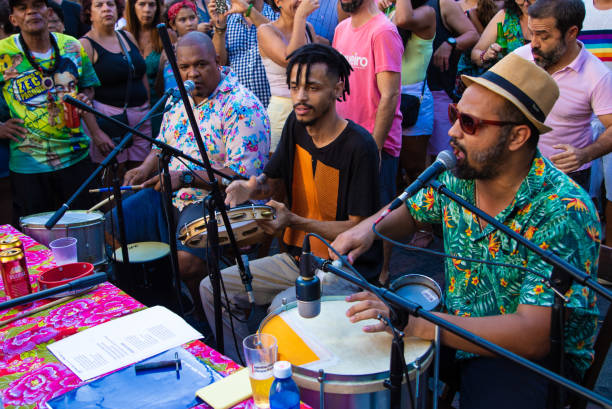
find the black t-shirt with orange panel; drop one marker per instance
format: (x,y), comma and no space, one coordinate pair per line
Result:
(329,183)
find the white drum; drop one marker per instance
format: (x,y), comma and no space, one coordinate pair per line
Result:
(87,228)
(355,363)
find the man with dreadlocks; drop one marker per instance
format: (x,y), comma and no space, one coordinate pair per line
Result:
(323,178)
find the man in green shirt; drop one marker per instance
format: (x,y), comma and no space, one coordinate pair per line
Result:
(495,131)
(48,149)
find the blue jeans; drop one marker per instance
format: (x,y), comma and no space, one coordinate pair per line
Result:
(387,174)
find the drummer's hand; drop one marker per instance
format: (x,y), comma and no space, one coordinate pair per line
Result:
(281,219)
(155,181)
(239,191)
(368,307)
(134,176)
(355,241)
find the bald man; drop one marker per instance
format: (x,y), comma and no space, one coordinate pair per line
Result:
(236,132)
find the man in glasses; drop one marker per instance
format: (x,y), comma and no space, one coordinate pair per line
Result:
(495,132)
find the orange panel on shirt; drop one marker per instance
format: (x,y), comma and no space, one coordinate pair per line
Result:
(314,197)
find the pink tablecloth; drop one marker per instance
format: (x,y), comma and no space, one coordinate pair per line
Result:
(29,373)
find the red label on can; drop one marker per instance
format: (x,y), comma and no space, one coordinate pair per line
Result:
(16,278)
(71,116)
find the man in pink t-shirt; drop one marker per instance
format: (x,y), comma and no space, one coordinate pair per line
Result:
(374,48)
(585,85)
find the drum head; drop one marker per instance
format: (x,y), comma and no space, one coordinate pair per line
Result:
(418,289)
(144,251)
(72,218)
(331,342)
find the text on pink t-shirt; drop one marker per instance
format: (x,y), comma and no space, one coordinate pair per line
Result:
(372,48)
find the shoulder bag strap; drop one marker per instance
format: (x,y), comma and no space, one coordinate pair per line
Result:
(130,67)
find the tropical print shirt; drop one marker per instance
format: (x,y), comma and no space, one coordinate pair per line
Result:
(234,127)
(550,210)
(55,138)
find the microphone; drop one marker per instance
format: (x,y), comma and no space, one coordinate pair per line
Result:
(308,285)
(175,92)
(444,161)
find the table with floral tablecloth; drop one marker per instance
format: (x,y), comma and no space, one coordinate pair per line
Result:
(29,374)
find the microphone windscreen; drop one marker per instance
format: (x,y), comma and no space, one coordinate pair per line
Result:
(447,158)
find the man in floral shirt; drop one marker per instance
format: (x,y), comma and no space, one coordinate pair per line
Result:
(236,133)
(500,170)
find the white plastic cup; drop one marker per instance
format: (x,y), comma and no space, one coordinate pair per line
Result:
(64,250)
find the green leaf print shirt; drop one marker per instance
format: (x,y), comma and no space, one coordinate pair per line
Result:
(550,210)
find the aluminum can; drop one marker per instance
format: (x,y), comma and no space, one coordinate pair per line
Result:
(10,242)
(15,273)
(71,116)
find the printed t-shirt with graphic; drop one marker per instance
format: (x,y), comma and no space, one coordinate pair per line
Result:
(329,183)
(373,48)
(235,130)
(550,210)
(596,33)
(585,88)
(53,140)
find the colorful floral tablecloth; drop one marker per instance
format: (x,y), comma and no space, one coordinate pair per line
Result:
(29,373)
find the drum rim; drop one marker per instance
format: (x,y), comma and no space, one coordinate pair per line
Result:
(425,359)
(422,279)
(117,253)
(100,219)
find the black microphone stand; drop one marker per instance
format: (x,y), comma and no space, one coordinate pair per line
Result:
(216,200)
(413,309)
(560,281)
(167,152)
(110,159)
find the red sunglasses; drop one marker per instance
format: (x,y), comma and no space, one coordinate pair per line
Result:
(469,123)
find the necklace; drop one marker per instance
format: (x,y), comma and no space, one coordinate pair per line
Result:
(44,71)
(476,203)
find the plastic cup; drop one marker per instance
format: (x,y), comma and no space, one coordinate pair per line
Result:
(260,354)
(64,250)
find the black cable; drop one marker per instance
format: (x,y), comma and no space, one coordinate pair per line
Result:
(471,260)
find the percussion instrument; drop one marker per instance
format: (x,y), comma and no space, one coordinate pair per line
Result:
(355,363)
(87,228)
(419,289)
(148,276)
(244,224)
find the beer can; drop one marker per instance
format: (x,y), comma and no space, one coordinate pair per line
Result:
(10,242)
(15,273)
(71,116)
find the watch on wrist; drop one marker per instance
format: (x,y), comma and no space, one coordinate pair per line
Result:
(186,178)
(452,41)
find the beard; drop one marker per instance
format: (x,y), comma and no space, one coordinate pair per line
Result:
(489,160)
(352,6)
(547,60)
(318,113)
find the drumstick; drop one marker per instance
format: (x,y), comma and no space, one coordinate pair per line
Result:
(102,203)
(110,189)
(39,309)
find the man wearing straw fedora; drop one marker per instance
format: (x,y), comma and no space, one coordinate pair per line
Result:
(496,126)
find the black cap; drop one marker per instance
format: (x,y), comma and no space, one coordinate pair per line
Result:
(13,3)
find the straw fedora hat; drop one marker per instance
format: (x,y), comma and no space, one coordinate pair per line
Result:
(524,84)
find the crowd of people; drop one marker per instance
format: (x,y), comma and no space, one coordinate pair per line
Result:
(326,109)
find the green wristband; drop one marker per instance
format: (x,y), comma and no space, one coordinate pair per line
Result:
(248,12)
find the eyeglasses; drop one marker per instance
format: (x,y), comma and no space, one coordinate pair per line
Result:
(469,123)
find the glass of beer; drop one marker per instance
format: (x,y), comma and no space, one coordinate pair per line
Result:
(260,355)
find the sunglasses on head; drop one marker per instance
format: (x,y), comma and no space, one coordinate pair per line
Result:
(469,123)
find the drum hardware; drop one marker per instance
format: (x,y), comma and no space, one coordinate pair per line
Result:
(321,380)
(436,376)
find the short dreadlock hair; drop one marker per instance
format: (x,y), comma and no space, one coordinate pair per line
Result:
(310,54)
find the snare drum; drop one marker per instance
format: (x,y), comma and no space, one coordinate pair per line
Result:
(87,228)
(355,363)
(244,224)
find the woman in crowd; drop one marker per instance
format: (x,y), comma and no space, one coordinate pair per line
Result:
(416,22)
(123,85)
(181,17)
(142,17)
(513,17)
(276,41)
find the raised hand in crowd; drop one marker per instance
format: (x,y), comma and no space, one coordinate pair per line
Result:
(383,5)
(306,8)
(13,129)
